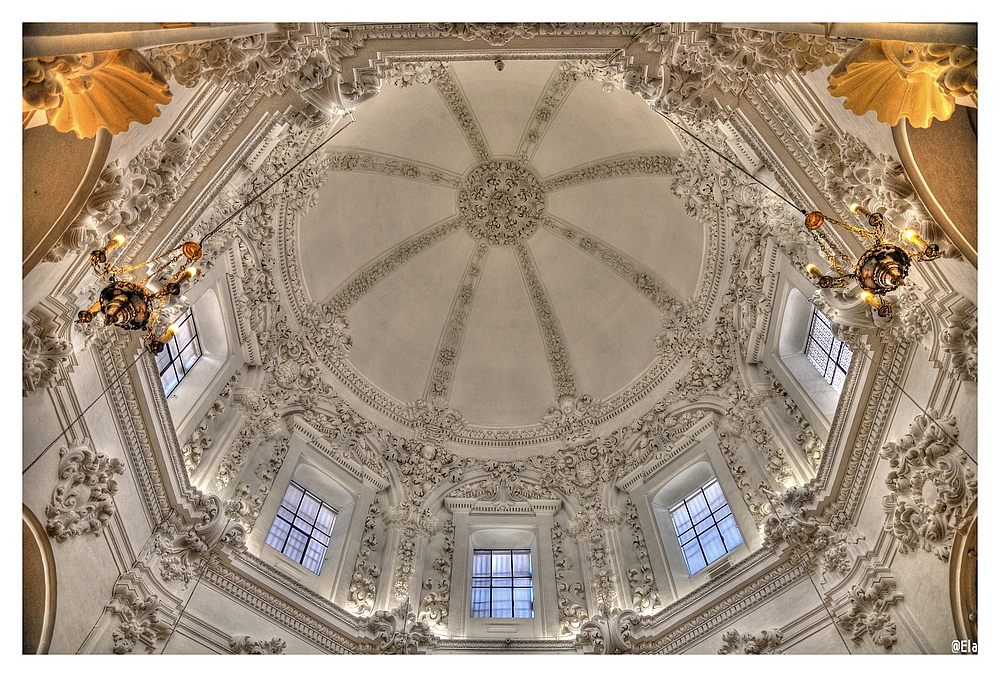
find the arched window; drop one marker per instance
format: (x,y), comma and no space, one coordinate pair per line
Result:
(696,524)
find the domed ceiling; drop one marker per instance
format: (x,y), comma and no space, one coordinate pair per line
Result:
(501,242)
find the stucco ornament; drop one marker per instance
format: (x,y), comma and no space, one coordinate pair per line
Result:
(764,642)
(897,80)
(398,632)
(932,486)
(83,500)
(82,93)
(868,614)
(609,632)
(247,645)
(437,590)
(46,357)
(128,196)
(143,620)
(570,591)
(364,580)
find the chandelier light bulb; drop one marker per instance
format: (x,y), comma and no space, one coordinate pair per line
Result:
(812,269)
(913,236)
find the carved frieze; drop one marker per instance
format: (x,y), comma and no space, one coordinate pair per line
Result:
(911,80)
(764,642)
(570,591)
(932,486)
(83,93)
(130,197)
(398,632)
(437,590)
(645,595)
(142,620)
(244,644)
(83,500)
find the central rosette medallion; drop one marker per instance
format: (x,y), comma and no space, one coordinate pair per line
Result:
(501,202)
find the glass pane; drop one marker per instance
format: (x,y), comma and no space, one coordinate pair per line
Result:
(292,497)
(295,545)
(325,520)
(309,508)
(503,603)
(481,563)
(682,521)
(480,602)
(698,507)
(522,603)
(730,533)
(276,537)
(692,555)
(711,544)
(713,492)
(501,563)
(522,563)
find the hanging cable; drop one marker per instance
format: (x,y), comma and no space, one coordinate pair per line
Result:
(271,185)
(926,413)
(74,421)
(200,242)
(734,164)
(807,567)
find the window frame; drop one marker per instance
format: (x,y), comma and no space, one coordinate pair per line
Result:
(295,525)
(488,583)
(174,352)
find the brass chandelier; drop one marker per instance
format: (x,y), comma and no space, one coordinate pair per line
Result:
(132,305)
(881,269)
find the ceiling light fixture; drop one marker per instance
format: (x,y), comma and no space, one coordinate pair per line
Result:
(134,306)
(883,266)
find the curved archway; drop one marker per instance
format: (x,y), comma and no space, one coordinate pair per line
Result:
(38,582)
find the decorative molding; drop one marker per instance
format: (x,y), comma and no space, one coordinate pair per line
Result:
(437,595)
(918,82)
(450,344)
(645,595)
(409,522)
(571,595)
(868,614)
(555,93)
(82,93)
(960,340)
(364,580)
(244,644)
(552,336)
(198,442)
(129,199)
(764,642)
(142,620)
(83,500)
(362,161)
(454,99)
(501,202)
(46,357)
(591,526)
(931,485)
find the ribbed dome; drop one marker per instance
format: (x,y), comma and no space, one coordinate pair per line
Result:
(499,240)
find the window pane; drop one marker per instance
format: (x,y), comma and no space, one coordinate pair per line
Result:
(827,353)
(501,584)
(714,532)
(294,532)
(180,353)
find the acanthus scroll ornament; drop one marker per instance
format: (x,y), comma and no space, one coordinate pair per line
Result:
(764,642)
(609,632)
(398,632)
(83,500)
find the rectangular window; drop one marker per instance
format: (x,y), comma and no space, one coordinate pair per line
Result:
(705,526)
(501,584)
(180,353)
(302,527)
(829,355)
